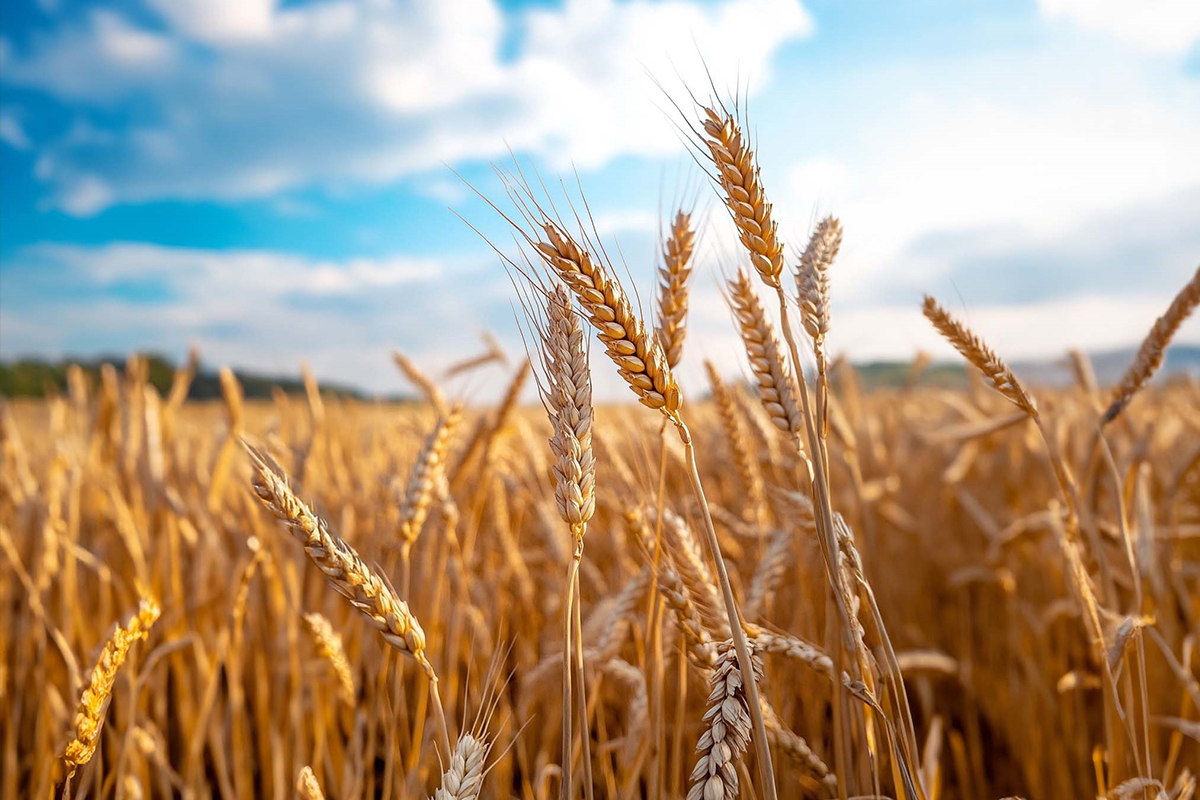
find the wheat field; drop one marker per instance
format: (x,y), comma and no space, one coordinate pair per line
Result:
(770,588)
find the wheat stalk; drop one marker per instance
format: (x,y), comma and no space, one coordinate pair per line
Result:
(1150,355)
(673,287)
(89,717)
(642,364)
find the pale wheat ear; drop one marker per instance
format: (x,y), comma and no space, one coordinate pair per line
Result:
(673,277)
(973,349)
(307,786)
(812,283)
(1150,355)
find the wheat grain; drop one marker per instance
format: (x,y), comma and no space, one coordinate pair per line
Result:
(345,571)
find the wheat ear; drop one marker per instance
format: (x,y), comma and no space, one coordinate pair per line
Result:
(428,466)
(307,786)
(1150,355)
(727,729)
(568,395)
(673,287)
(639,359)
(566,390)
(345,571)
(433,395)
(766,357)
(89,718)
(980,355)
(329,646)
(735,435)
(812,283)
(463,778)
(743,193)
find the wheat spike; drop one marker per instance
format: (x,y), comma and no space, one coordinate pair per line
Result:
(980,355)
(329,646)
(770,369)
(343,568)
(1150,355)
(727,729)
(812,282)
(433,395)
(89,718)
(568,395)
(307,786)
(743,193)
(429,464)
(673,287)
(463,778)
(736,437)
(770,570)
(639,359)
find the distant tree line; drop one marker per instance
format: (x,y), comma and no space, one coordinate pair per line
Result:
(39,378)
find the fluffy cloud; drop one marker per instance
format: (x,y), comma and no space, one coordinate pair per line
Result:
(267,98)
(253,308)
(1170,26)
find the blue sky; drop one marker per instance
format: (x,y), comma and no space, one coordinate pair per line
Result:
(268,180)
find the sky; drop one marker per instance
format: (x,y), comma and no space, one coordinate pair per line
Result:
(278,181)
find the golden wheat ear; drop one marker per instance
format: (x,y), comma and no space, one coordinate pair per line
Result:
(742,191)
(973,349)
(1153,350)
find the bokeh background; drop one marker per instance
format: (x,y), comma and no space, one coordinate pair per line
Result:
(271,181)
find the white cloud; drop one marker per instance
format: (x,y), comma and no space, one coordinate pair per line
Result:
(1171,26)
(98,60)
(260,309)
(266,99)
(12,133)
(980,148)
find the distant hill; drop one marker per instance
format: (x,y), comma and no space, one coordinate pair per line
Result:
(37,378)
(1107,364)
